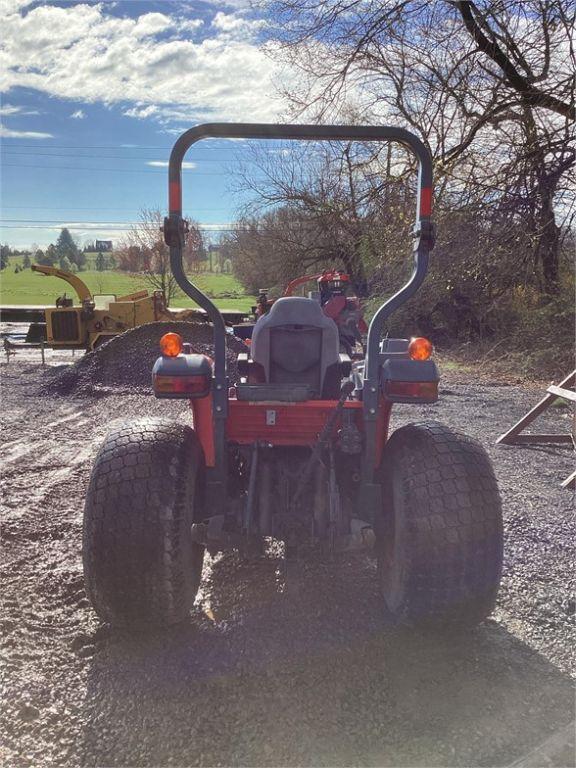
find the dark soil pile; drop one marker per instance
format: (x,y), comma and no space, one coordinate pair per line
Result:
(126,361)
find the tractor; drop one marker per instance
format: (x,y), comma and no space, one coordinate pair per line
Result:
(298,450)
(333,293)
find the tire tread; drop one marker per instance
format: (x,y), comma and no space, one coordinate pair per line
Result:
(134,548)
(453,546)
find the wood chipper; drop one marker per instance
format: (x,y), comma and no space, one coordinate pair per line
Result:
(299,450)
(100,317)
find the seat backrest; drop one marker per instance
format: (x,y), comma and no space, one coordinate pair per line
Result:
(295,343)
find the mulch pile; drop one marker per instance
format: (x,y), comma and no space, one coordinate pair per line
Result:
(126,361)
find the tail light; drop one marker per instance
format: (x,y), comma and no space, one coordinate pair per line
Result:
(412,391)
(409,381)
(185,376)
(186,386)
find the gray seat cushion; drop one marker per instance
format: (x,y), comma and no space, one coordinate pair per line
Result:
(295,343)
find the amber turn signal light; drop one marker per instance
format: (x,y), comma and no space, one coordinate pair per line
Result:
(171,344)
(420,348)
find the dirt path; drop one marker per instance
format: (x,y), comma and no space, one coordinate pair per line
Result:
(263,678)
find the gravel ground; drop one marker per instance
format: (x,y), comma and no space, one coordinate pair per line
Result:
(125,362)
(262,677)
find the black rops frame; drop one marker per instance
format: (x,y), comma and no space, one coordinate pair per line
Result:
(175,232)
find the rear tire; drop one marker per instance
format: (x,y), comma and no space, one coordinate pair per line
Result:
(141,567)
(439,539)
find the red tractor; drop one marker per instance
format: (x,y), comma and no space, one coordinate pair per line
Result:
(298,450)
(334,296)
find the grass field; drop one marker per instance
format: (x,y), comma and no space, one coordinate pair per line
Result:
(27,287)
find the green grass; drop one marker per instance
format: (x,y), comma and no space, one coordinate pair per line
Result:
(27,287)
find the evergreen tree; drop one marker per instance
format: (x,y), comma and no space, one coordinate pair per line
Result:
(51,254)
(47,258)
(26,263)
(4,256)
(65,264)
(100,262)
(67,248)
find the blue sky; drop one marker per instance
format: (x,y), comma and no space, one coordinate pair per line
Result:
(93,96)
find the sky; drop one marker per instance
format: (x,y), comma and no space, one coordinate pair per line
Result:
(93,95)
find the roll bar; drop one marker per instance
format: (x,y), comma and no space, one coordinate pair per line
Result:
(175,232)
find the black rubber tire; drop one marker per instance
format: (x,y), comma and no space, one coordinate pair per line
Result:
(439,540)
(141,567)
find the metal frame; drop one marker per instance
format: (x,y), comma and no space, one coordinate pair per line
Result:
(175,232)
(514,435)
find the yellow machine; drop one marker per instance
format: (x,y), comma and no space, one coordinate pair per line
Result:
(100,317)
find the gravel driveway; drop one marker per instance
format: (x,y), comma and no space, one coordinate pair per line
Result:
(259,677)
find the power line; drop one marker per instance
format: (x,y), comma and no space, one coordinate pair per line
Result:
(142,147)
(116,157)
(88,208)
(107,170)
(56,221)
(112,227)
(166,147)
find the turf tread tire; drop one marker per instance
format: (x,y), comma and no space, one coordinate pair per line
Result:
(441,492)
(141,567)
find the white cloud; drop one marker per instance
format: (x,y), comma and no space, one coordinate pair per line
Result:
(141,112)
(82,52)
(164,164)
(78,115)
(189,25)
(11,6)
(9,133)
(152,24)
(234,24)
(10,109)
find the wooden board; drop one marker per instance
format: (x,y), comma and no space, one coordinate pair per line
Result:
(553,393)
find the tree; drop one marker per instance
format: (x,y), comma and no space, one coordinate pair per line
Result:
(334,191)
(131,258)
(4,256)
(270,249)
(26,263)
(194,250)
(144,251)
(100,262)
(488,86)
(48,257)
(67,247)
(65,264)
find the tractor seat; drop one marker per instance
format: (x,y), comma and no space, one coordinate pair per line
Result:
(295,343)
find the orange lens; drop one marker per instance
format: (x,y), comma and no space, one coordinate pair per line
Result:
(420,348)
(171,344)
